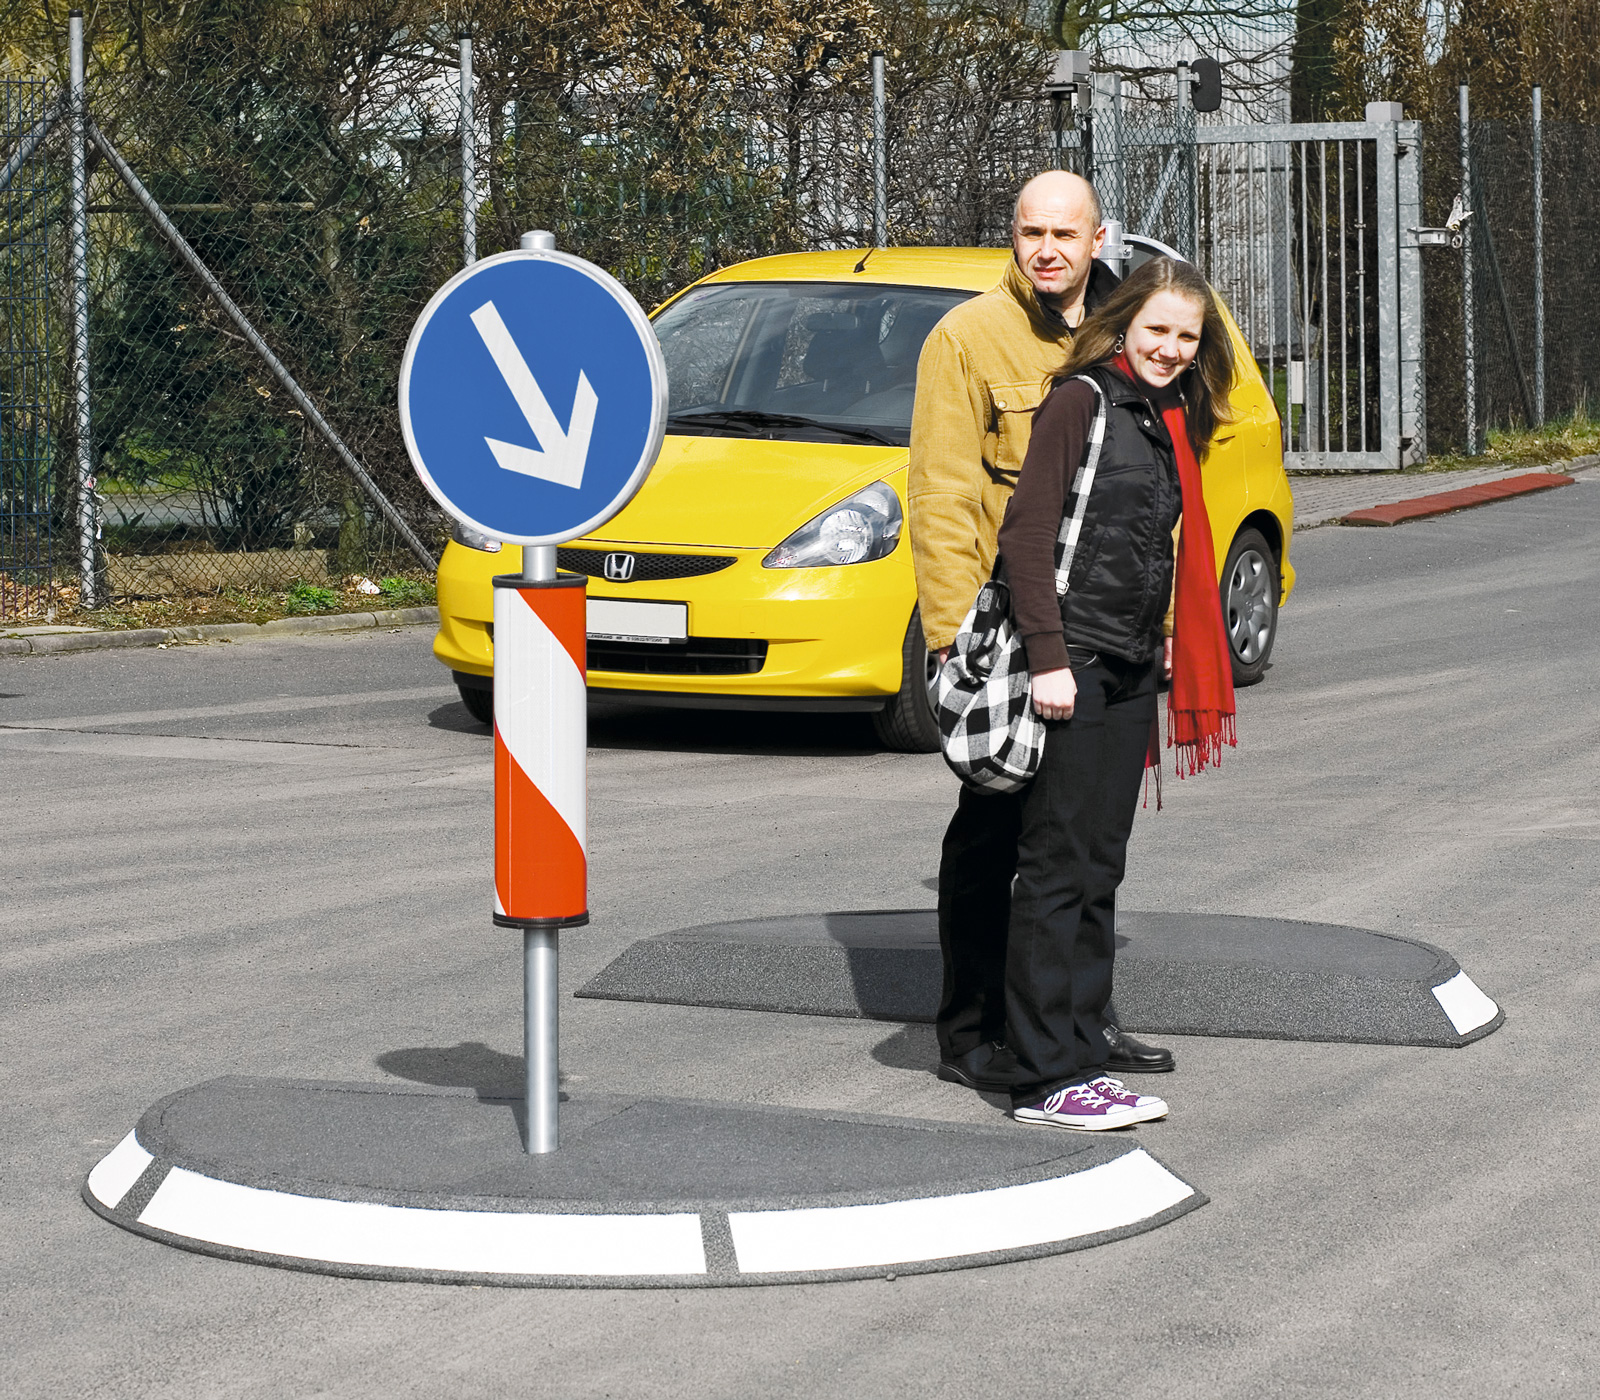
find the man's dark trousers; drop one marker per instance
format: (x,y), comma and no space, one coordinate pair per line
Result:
(976,866)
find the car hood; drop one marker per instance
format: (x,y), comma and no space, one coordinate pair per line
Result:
(743,493)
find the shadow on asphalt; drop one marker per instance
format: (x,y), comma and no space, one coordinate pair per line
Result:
(910,1047)
(730,732)
(453,717)
(702,731)
(469,1065)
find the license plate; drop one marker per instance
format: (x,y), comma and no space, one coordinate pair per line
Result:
(622,620)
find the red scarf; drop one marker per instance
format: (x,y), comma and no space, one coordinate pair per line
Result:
(1200,709)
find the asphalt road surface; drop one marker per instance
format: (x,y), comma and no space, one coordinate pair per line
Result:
(272,859)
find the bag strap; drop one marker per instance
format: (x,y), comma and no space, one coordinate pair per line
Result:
(1072,524)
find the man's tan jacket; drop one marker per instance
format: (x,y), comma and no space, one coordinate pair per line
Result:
(984,369)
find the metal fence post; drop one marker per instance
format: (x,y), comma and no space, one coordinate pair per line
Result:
(89,590)
(469,174)
(1469,339)
(1385,162)
(1413,378)
(880,156)
(1538,256)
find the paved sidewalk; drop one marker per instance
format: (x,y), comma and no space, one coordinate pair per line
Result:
(37,640)
(1324,500)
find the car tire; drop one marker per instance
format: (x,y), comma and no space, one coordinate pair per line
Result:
(907,723)
(478,700)
(1250,590)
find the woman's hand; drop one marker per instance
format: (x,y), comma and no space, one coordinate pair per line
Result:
(1166,659)
(1054,693)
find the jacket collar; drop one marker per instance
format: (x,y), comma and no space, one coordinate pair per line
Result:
(1016,285)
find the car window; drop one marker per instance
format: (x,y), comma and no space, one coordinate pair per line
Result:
(811,362)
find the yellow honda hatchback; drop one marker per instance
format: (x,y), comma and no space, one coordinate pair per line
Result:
(764,563)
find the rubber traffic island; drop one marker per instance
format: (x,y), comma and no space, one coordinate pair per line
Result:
(401,1182)
(1176,974)
(1443,502)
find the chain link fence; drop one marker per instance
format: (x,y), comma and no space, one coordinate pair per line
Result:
(1502,251)
(28,487)
(330,212)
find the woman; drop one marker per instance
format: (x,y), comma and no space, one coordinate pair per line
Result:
(1160,353)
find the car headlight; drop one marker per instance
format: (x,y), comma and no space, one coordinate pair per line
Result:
(473,539)
(862,527)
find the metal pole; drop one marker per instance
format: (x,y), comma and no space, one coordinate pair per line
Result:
(541,952)
(1538,255)
(88,502)
(880,156)
(313,415)
(540,1025)
(1469,339)
(1185,216)
(469,175)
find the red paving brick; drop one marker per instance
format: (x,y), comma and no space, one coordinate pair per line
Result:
(1420,507)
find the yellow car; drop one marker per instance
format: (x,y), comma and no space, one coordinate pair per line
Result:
(764,562)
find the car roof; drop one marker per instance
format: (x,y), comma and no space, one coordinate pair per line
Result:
(962,269)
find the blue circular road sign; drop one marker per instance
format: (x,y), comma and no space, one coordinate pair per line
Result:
(533,396)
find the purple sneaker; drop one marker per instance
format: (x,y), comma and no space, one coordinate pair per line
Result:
(1149,1105)
(1090,1108)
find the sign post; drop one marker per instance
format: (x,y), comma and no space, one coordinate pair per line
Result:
(495,355)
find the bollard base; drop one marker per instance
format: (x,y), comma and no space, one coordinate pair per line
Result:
(383,1181)
(570,921)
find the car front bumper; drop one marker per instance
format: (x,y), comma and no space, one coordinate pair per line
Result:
(796,638)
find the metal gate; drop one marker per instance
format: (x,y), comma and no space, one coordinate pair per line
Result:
(1308,231)
(26,498)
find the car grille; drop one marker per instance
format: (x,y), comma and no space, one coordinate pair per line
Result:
(699,656)
(647,568)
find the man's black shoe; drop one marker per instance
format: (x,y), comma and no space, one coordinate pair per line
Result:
(989,1069)
(1130,1056)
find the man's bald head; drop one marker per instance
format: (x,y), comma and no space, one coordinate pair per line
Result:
(1055,234)
(1059,185)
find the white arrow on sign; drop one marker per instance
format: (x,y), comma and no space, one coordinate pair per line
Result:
(564,454)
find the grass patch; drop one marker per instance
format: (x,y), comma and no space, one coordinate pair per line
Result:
(406,592)
(60,604)
(311,598)
(1560,440)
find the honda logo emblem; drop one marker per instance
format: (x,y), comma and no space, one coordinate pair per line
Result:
(619,567)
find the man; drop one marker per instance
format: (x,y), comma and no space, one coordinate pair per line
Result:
(984,369)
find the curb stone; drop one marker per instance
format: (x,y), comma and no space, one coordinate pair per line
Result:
(216,632)
(1448,502)
(1320,501)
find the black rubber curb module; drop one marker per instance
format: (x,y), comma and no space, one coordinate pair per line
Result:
(1176,974)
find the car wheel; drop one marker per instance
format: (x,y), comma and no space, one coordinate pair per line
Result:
(478,700)
(907,723)
(1250,590)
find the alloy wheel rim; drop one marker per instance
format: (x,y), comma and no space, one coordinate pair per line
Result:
(1249,606)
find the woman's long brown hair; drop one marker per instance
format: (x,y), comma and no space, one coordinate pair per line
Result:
(1207,383)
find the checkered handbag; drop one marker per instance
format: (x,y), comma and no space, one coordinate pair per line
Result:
(991,736)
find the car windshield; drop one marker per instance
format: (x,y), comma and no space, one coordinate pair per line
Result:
(802,361)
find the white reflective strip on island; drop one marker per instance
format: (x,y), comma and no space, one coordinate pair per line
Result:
(405,1237)
(1122,1192)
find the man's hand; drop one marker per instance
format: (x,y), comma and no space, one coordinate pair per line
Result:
(944,655)
(1055,693)
(1166,659)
